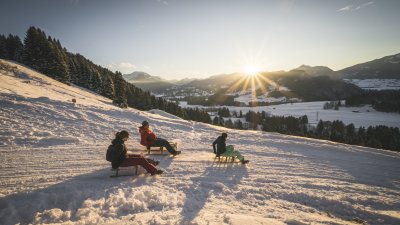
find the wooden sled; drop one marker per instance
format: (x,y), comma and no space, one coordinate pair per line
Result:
(117,170)
(161,149)
(222,157)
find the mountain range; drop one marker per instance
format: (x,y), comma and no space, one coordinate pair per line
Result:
(147,82)
(384,68)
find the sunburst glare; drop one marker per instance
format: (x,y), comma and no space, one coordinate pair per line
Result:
(252,70)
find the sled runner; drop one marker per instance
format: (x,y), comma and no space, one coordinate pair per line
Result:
(232,159)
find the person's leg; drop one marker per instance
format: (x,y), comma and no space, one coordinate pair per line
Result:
(159,142)
(153,162)
(238,155)
(230,151)
(141,162)
(230,148)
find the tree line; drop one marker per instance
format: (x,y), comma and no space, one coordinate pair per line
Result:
(373,136)
(384,100)
(46,55)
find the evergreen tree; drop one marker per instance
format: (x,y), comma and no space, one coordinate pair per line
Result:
(229,123)
(57,65)
(216,120)
(13,48)
(351,134)
(238,124)
(30,54)
(108,90)
(3,47)
(337,131)
(120,90)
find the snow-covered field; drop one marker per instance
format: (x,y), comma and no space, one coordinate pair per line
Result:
(376,84)
(262,98)
(359,116)
(52,168)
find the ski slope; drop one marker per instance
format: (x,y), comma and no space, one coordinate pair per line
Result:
(53,171)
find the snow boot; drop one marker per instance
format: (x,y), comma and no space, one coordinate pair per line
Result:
(157,172)
(153,162)
(176,153)
(245,161)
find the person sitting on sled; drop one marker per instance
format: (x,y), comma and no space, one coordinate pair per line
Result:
(223,150)
(149,139)
(120,156)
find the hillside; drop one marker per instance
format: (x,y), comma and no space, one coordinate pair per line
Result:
(216,81)
(387,67)
(315,70)
(53,170)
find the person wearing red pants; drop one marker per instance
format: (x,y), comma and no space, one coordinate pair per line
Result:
(120,156)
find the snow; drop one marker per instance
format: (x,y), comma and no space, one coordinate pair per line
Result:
(53,171)
(246,96)
(359,116)
(262,98)
(376,84)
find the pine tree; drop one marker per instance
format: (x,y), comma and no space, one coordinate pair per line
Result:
(108,90)
(3,47)
(320,128)
(13,48)
(57,65)
(120,90)
(31,48)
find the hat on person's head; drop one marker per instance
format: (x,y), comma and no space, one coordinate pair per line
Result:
(145,123)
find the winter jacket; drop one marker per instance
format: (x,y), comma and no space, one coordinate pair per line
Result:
(147,137)
(119,152)
(221,145)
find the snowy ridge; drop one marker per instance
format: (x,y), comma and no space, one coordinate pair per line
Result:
(376,84)
(53,169)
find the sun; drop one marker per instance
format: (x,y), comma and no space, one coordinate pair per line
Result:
(252,70)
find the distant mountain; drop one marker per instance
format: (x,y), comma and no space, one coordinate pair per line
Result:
(147,82)
(141,76)
(182,81)
(384,68)
(315,71)
(216,81)
(305,82)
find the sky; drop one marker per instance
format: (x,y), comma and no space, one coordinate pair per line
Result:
(177,39)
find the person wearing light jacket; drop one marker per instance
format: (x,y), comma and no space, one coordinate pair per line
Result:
(149,139)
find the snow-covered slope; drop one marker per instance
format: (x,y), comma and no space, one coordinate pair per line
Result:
(52,168)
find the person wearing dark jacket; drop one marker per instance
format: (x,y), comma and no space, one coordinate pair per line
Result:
(229,151)
(120,156)
(220,143)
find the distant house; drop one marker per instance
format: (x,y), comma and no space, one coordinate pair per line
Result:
(246,125)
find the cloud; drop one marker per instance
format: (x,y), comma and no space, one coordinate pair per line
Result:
(350,8)
(74,2)
(123,67)
(163,2)
(346,8)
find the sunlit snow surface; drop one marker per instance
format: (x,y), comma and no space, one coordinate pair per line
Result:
(52,169)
